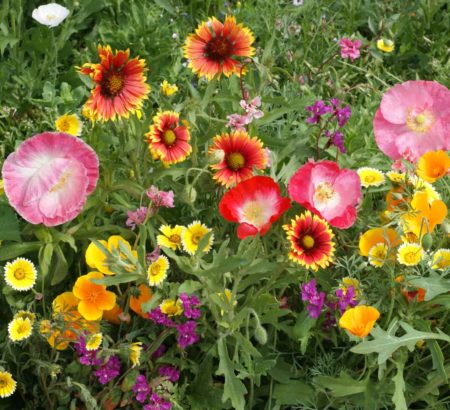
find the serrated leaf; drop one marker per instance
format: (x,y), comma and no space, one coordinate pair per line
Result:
(434,285)
(398,398)
(234,389)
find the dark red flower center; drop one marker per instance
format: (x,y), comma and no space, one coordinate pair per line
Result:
(219,49)
(235,161)
(112,84)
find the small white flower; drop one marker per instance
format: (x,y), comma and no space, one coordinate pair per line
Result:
(175,35)
(50,15)
(297,2)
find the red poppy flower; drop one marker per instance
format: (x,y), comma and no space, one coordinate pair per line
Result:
(167,139)
(210,50)
(120,85)
(255,204)
(239,154)
(311,241)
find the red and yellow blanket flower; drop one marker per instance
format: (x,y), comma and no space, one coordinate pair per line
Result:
(238,155)
(212,49)
(94,298)
(255,204)
(167,139)
(311,240)
(120,86)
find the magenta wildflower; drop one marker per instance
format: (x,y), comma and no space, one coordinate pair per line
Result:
(154,255)
(170,372)
(347,298)
(136,217)
(317,110)
(141,388)
(237,122)
(187,334)
(160,198)
(349,48)
(108,371)
(86,357)
(159,318)
(314,299)
(159,352)
(158,403)
(189,306)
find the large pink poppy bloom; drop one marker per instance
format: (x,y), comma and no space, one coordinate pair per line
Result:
(48,178)
(328,191)
(413,118)
(255,204)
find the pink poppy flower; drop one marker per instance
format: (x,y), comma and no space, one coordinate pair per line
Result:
(349,48)
(48,178)
(255,204)
(413,118)
(328,191)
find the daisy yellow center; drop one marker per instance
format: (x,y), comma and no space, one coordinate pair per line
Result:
(254,213)
(155,269)
(196,238)
(324,192)
(3,382)
(20,273)
(219,49)
(420,122)
(22,328)
(61,182)
(169,137)
(236,161)
(174,238)
(369,178)
(411,257)
(308,241)
(64,125)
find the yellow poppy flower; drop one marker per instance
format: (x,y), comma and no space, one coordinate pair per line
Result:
(7,384)
(70,124)
(157,271)
(168,89)
(192,236)
(359,320)
(385,45)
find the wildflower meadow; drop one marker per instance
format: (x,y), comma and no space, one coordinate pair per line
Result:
(210,204)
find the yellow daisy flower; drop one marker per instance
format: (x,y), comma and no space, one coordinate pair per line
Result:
(20,274)
(424,186)
(45,327)
(378,254)
(192,236)
(397,177)
(171,237)
(135,353)
(370,177)
(168,89)
(410,254)
(441,259)
(94,341)
(157,271)
(24,314)
(70,124)
(347,282)
(385,45)
(171,308)
(7,384)
(19,329)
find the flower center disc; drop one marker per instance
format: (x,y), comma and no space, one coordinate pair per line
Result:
(196,238)
(169,137)
(308,241)
(219,49)
(421,122)
(19,274)
(174,238)
(113,84)
(324,192)
(236,161)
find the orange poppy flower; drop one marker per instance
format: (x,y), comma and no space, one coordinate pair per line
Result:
(212,49)
(423,216)
(112,316)
(370,238)
(433,165)
(359,320)
(94,299)
(120,86)
(145,294)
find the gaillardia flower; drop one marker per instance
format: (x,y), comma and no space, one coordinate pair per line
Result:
(359,320)
(212,48)
(167,140)
(94,298)
(7,384)
(255,204)
(120,86)
(413,118)
(328,191)
(20,274)
(239,155)
(311,241)
(70,124)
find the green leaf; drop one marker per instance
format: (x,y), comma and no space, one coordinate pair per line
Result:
(6,41)
(45,258)
(341,386)
(233,262)
(166,6)
(12,251)
(386,343)
(9,225)
(398,398)
(117,279)
(434,285)
(294,392)
(60,268)
(234,389)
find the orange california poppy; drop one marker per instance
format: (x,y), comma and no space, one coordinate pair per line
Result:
(120,86)
(433,165)
(239,155)
(167,139)
(423,216)
(359,320)
(145,294)
(113,316)
(94,299)
(212,48)
(374,236)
